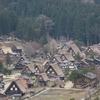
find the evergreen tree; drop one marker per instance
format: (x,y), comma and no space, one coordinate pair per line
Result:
(8,60)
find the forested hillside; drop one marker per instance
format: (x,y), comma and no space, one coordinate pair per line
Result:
(34,19)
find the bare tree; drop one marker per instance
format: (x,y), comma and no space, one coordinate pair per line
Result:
(48,23)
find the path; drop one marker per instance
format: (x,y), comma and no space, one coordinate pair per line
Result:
(68,85)
(41,92)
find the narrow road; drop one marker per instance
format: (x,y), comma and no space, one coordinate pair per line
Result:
(41,92)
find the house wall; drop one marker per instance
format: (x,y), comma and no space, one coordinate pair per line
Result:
(26,71)
(41,82)
(19,66)
(13,89)
(54,60)
(48,57)
(71,52)
(65,47)
(37,69)
(46,65)
(50,71)
(63,58)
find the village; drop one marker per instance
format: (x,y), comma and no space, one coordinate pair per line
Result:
(51,70)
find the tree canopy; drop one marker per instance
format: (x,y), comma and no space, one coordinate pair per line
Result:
(70,18)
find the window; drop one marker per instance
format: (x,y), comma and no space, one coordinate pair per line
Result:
(29,71)
(52,72)
(50,69)
(48,72)
(73,54)
(63,67)
(40,78)
(13,98)
(11,88)
(13,85)
(63,58)
(36,68)
(15,88)
(26,68)
(54,59)
(22,59)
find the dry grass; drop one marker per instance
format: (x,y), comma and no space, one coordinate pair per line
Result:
(7,79)
(61,94)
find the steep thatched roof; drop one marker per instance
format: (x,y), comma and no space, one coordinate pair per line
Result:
(40,67)
(56,68)
(19,84)
(44,76)
(57,57)
(30,67)
(74,47)
(68,56)
(6,49)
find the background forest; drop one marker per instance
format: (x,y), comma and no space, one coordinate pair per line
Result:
(34,19)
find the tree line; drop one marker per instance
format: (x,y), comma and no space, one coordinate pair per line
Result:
(33,20)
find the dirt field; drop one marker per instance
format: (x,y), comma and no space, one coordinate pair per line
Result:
(61,94)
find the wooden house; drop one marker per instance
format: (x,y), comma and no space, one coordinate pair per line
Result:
(89,60)
(62,66)
(48,56)
(19,66)
(14,57)
(46,64)
(86,80)
(26,80)
(4,50)
(56,59)
(2,85)
(72,67)
(83,64)
(94,49)
(54,71)
(17,49)
(22,62)
(1,77)
(42,79)
(65,47)
(67,56)
(17,87)
(39,54)
(28,70)
(88,49)
(74,50)
(39,69)
(22,58)
(25,77)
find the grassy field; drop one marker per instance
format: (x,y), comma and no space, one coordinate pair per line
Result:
(61,94)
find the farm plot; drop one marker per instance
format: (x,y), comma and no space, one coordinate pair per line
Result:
(61,94)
